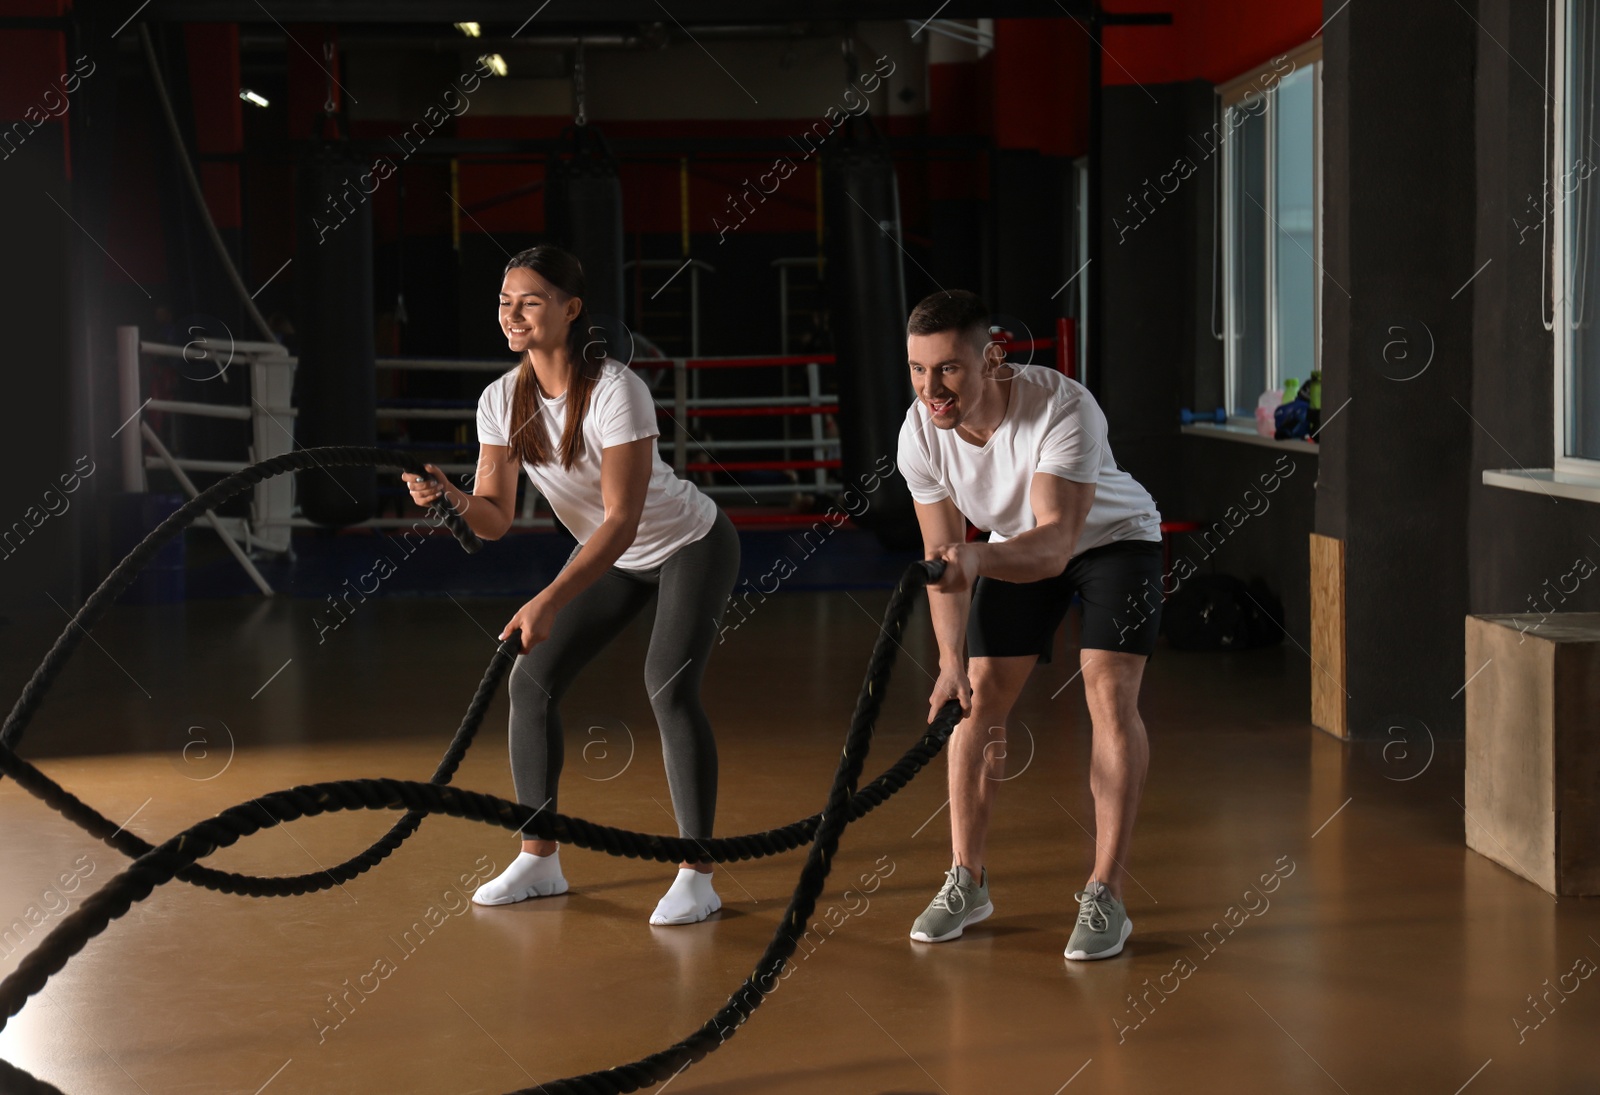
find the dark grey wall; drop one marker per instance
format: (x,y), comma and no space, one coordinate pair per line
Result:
(1399,198)
(39,548)
(1271,494)
(1158,283)
(1031,209)
(1146,284)
(1518,541)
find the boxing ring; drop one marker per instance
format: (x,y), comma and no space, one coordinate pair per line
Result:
(179,856)
(270,369)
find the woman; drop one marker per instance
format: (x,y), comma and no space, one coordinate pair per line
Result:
(583,426)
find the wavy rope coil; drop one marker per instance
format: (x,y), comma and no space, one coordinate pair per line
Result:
(178,856)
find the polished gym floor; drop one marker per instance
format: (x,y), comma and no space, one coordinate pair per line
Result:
(1307,917)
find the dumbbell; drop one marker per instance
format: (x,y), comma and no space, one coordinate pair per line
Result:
(1189,418)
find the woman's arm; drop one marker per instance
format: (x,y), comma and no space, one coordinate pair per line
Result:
(489,510)
(624,482)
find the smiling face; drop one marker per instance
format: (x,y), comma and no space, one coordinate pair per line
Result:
(951,376)
(534,315)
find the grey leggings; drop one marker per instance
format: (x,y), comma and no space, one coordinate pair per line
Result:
(692,589)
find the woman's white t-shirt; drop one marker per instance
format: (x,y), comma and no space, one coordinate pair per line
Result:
(1052,424)
(621,409)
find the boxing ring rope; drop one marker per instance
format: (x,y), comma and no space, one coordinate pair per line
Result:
(178,856)
(271,371)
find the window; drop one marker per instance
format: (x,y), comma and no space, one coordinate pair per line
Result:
(1570,204)
(1270,137)
(1575,201)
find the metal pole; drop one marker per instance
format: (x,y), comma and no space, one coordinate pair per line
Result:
(272,390)
(783,336)
(814,382)
(694,322)
(133,480)
(680,415)
(1095,327)
(783,308)
(694,311)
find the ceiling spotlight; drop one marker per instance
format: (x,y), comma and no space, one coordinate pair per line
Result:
(471,30)
(251,97)
(495,63)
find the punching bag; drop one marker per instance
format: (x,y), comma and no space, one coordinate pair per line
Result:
(583,214)
(867,311)
(334,390)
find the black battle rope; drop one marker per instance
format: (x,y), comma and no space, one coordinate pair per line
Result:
(614,841)
(177,857)
(123,575)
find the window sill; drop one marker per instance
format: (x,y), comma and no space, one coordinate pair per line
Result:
(1543,481)
(1248,436)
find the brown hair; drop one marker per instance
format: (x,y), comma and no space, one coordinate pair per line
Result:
(951,310)
(585,349)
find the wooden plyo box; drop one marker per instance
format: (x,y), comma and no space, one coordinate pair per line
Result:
(1533,747)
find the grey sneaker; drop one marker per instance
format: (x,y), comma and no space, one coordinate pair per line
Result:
(1103,924)
(958,905)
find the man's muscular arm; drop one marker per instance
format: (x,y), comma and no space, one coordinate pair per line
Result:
(1060,507)
(942,523)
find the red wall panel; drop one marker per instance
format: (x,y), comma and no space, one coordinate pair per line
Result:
(1041,97)
(1213,40)
(33,68)
(213,55)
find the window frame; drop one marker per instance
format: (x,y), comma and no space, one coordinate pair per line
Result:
(1228,95)
(1585,470)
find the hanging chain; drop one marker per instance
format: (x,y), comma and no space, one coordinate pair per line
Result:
(582,117)
(328,106)
(578,85)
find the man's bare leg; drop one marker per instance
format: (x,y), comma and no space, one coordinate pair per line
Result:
(1119,757)
(977,755)
(976,764)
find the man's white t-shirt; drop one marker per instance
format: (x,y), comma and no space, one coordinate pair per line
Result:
(621,409)
(1052,424)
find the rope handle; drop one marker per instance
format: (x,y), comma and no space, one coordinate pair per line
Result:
(441,510)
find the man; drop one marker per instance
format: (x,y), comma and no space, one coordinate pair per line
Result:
(1021,451)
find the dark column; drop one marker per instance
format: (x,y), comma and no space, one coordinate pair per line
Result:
(53,308)
(1032,200)
(867,309)
(960,104)
(1093,357)
(1395,470)
(583,213)
(334,383)
(34,531)
(1146,291)
(98,296)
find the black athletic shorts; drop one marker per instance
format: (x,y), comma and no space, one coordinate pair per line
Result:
(1120,584)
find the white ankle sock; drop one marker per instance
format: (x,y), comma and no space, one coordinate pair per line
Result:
(528,876)
(690,900)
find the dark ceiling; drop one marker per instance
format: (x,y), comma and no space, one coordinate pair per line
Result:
(506,15)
